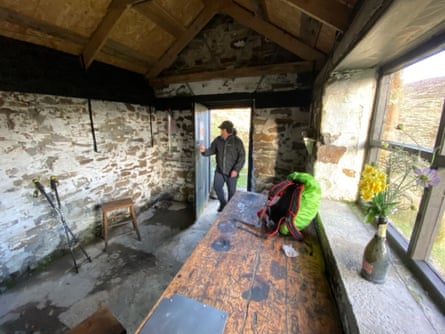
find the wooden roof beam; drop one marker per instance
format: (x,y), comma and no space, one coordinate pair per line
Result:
(115,10)
(161,17)
(181,42)
(28,22)
(271,32)
(260,9)
(331,13)
(253,71)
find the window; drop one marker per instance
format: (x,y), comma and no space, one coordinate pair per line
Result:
(437,258)
(413,98)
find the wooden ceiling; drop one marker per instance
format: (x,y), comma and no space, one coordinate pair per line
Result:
(178,41)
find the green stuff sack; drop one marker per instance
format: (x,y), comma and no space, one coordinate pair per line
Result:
(292,204)
(309,201)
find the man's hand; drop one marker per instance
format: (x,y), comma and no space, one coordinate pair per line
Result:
(202,149)
(233,173)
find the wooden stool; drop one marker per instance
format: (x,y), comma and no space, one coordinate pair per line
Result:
(114,205)
(100,322)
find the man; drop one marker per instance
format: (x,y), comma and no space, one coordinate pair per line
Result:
(230,158)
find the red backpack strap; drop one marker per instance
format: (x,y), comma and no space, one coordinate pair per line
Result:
(278,188)
(294,206)
(274,192)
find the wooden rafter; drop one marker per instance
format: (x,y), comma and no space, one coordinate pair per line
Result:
(271,32)
(40,26)
(123,52)
(169,57)
(111,48)
(332,13)
(161,17)
(260,9)
(115,10)
(253,71)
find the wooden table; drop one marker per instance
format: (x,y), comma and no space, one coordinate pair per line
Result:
(251,279)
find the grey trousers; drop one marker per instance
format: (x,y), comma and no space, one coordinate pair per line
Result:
(218,184)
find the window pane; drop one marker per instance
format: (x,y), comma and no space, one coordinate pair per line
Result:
(404,217)
(437,256)
(416,104)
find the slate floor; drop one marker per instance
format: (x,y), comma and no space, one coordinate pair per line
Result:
(128,279)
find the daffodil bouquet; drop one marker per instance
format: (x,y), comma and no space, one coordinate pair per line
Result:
(385,189)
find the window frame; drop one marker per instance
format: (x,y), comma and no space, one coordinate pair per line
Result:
(414,252)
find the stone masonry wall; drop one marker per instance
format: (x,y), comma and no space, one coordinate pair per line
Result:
(43,135)
(278,147)
(345,117)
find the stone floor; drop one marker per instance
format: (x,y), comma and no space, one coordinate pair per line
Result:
(128,279)
(400,305)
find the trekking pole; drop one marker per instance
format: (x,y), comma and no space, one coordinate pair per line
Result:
(73,240)
(67,230)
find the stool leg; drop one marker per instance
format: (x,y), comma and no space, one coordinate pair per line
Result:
(105,228)
(135,225)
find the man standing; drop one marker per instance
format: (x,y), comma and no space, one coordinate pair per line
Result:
(230,158)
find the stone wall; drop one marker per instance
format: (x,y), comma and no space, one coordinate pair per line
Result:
(344,115)
(44,135)
(278,147)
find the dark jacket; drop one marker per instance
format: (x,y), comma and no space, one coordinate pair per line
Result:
(230,153)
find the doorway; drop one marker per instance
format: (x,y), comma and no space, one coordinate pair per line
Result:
(206,129)
(241,118)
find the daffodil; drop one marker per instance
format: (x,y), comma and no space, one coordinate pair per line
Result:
(382,189)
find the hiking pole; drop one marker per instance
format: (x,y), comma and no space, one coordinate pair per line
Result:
(40,187)
(68,231)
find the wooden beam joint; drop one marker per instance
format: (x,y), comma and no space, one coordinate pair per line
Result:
(115,11)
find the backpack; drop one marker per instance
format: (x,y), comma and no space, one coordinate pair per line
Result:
(291,205)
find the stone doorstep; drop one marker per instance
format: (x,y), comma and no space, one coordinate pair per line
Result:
(399,305)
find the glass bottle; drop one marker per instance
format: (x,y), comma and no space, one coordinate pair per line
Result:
(376,259)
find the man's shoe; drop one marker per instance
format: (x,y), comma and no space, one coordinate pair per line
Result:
(221,207)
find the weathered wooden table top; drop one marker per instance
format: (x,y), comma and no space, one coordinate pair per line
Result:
(261,289)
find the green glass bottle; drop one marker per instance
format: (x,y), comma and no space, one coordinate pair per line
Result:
(376,257)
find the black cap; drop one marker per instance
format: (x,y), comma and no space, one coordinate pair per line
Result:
(228,125)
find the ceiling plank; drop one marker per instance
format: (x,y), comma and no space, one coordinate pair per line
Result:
(169,57)
(112,47)
(253,71)
(161,17)
(40,26)
(331,13)
(271,32)
(115,10)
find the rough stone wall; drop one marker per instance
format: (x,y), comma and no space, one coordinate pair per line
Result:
(175,154)
(345,116)
(278,147)
(43,135)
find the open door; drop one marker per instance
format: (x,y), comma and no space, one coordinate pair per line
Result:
(202,164)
